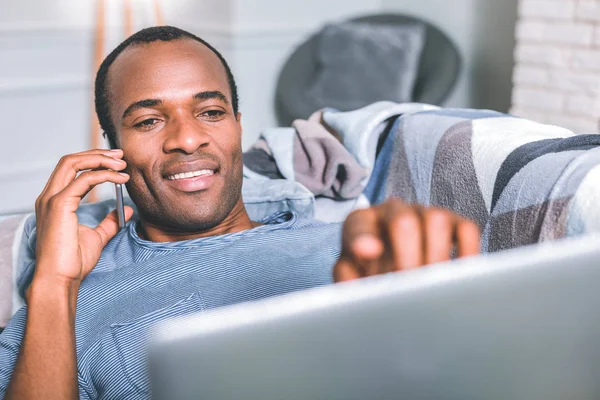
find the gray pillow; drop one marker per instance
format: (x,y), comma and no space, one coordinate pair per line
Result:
(361,63)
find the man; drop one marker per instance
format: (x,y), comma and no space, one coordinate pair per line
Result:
(168,103)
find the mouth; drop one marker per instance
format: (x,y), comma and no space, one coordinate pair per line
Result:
(194,180)
(191,174)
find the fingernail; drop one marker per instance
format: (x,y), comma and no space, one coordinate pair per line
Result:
(116,150)
(367,240)
(367,245)
(123,173)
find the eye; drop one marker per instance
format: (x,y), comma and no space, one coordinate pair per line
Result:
(147,124)
(212,114)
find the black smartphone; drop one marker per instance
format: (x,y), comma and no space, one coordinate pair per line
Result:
(120,205)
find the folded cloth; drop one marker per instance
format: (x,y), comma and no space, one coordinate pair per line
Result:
(332,153)
(260,160)
(323,164)
(320,161)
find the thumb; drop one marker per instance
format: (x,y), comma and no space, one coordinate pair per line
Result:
(109,226)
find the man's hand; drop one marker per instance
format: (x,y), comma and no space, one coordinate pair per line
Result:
(66,251)
(395,236)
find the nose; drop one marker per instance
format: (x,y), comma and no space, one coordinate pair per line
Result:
(185,135)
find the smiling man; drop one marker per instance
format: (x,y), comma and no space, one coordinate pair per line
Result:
(168,104)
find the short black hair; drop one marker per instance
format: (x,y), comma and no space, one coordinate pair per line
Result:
(148,35)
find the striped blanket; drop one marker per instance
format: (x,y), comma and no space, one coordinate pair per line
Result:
(521,181)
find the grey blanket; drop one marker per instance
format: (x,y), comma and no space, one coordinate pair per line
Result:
(521,181)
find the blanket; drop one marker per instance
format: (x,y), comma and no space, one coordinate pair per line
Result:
(521,181)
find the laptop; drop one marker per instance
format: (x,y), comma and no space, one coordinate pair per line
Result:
(521,324)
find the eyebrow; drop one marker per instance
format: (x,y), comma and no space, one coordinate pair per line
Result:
(214,94)
(140,104)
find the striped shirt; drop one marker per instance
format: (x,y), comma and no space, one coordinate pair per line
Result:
(137,283)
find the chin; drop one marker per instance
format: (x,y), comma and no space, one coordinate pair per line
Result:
(184,221)
(188,218)
(192,212)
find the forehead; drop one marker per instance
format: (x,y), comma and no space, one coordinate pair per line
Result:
(164,69)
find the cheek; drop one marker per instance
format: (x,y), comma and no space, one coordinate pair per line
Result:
(232,142)
(139,153)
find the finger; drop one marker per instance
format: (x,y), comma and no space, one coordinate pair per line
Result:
(439,229)
(117,153)
(405,235)
(467,238)
(85,182)
(67,168)
(345,270)
(109,226)
(45,195)
(361,240)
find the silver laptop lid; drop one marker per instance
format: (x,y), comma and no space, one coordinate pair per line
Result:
(521,324)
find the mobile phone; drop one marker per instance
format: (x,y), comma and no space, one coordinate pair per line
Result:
(120,205)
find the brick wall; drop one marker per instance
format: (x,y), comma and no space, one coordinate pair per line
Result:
(557,73)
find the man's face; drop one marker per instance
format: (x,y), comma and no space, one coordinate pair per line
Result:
(170,103)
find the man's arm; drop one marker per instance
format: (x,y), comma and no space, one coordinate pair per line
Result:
(66,252)
(47,362)
(396,236)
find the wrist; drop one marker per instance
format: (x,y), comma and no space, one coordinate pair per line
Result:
(53,290)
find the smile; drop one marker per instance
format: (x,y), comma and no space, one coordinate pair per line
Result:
(192,174)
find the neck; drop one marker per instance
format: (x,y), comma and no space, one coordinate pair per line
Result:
(237,221)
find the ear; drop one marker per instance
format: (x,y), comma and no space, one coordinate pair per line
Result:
(238,118)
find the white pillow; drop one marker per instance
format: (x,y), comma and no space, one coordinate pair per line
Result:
(11,230)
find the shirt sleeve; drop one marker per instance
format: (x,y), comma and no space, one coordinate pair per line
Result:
(10,342)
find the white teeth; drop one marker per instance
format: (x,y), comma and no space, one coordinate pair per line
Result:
(184,175)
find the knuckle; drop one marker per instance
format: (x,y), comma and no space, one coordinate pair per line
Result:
(38,207)
(54,201)
(82,176)
(65,160)
(88,177)
(468,227)
(437,215)
(406,219)
(357,215)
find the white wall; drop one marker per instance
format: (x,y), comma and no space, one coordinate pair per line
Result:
(46,70)
(45,95)
(483,30)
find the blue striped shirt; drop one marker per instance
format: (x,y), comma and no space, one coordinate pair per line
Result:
(137,283)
